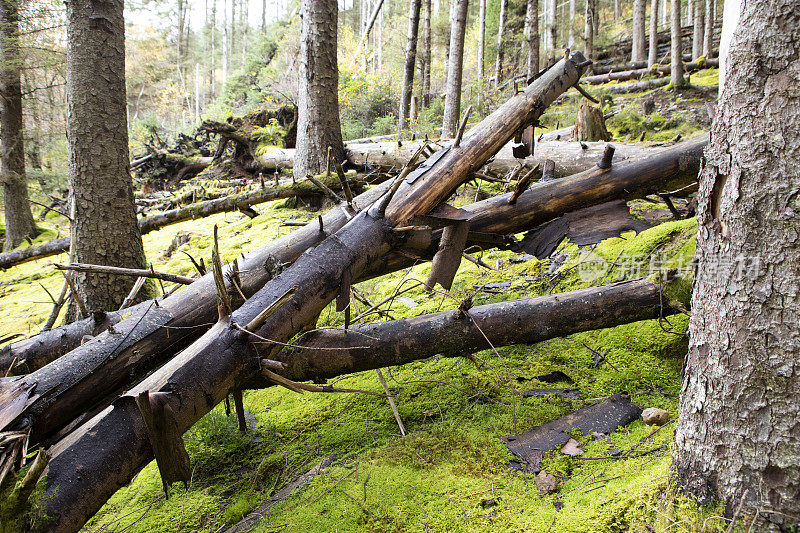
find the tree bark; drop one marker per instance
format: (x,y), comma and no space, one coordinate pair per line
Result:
(202,375)
(652,56)
(676,46)
(737,437)
(411,59)
(425,56)
(532,33)
(455,65)
(481,40)
(588,30)
(498,67)
(18,217)
(103,229)
(318,125)
(638,36)
(590,125)
(698,29)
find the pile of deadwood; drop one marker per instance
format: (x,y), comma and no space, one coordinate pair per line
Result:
(98,412)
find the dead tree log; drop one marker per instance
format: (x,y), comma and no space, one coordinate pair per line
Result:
(523,321)
(638,73)
(670,169)
(113,446)
(202,209)
(590,125)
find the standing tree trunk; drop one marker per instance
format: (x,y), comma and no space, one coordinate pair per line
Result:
(616,10)
(498,67)
(676,46)
(318,125)
(708,34)
(737,436)
(18,217)
(550,36)
(104,230)
(532,32)
(662,14)
(652,56)
(411,59)
(212,74)
(571,29)
(263,16)
(232,43)
(482,40)
(225,47)
(588,30)
(245,13)
(698,30)
(455,65)
(637,40)
(425,56)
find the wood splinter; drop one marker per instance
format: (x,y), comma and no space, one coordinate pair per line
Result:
(605,160)
(224,307)
(548,172)
(522,184)
(259,320)
(448,257)
(238,404)
(165,438)
(305,387)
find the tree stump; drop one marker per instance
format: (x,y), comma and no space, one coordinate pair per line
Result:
(590,125)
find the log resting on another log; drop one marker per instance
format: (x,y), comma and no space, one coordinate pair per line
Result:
(663,70)
(113,446)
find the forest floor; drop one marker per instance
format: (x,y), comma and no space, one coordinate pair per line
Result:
(451,471)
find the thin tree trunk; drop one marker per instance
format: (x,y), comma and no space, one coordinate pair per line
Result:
(662,14)
(482,40)
(708,36)
(498,68)
(425,57)
(225,43)
(245,10)
(550,35)
(698,32)
(18,217)
(104,230)
(532,32)
(676,46)
(213,73)
(737,437)
(263,16)
(588,30)
(616,10)
(411,59)
(455,64)
(232,43)
(652,57)
(637,40)
(571,29)
(318,125)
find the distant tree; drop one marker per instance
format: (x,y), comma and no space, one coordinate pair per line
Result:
(410,64)
(482,40)
(501,26)
(455,64)
(18,217)
(425,54)
(676,46)
(532,33)
(104,229)
(318,123)
(550,27)
(571,25)
(652,56)
(698,31)
(709,29)
(737,436)
(588,29)
(637,42)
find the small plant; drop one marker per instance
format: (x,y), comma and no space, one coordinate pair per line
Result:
(272,134)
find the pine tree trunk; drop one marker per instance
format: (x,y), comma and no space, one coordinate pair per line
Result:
(455,64)
(411,59)
(550,35)
(737,436)
(318,125)
(232,43)
(498,66)
(225,43)
(212,75)
(708,34)
(104,230)
(637,40)
(18,218)
(588,30)
(698,30)
(482,40)
(571,32)
(425,54)
(652,56)
(532,31)
(676,46)
(263,16)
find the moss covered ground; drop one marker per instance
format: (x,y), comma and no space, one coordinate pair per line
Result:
(449,473)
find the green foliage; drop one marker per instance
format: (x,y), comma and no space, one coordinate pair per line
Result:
(270,135)
(368,105)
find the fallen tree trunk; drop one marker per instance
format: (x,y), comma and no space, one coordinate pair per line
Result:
(669,169)
(638,73)
(114,445)
(173,216)
(524,321)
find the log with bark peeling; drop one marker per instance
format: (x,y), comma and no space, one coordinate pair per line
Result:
(113,446)
(150,223)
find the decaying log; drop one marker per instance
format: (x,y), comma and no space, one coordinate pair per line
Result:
(656,71)
(232,202)
(112,446)
(196,304)
(590,125)
(523,321)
